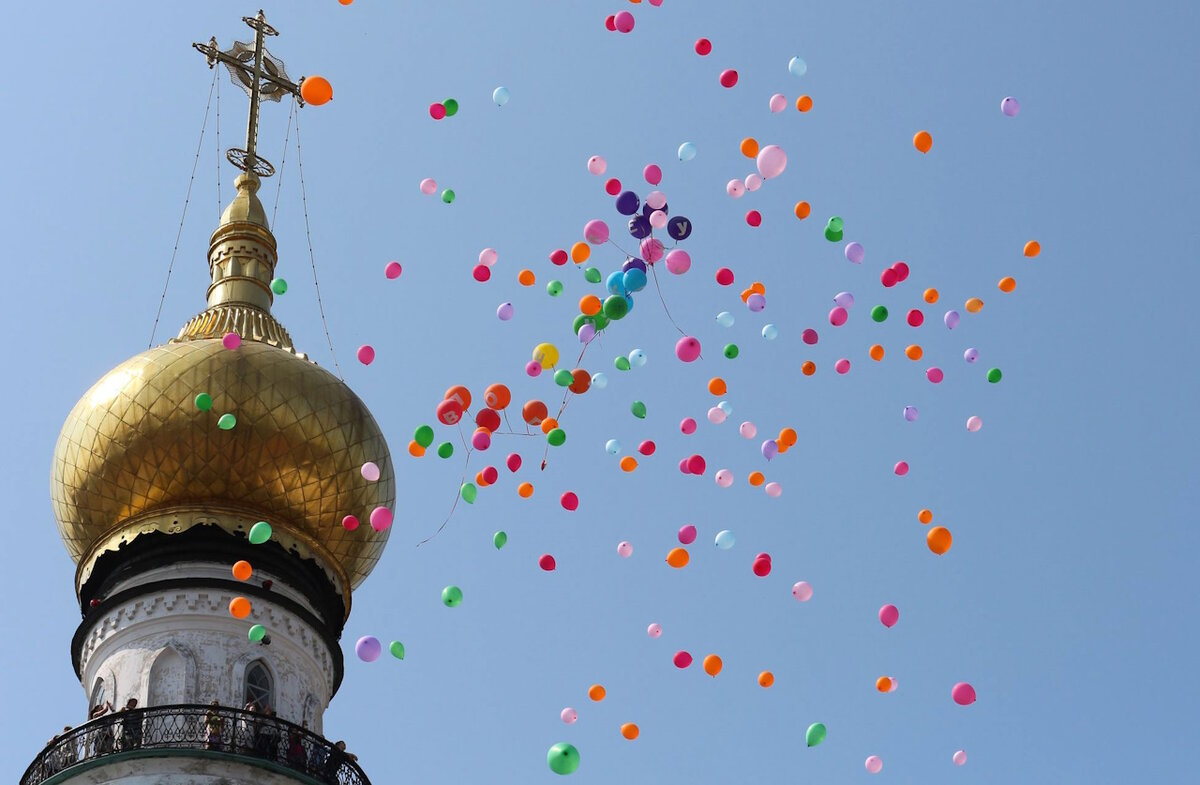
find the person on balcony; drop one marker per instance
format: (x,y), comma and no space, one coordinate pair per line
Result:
(295,750)
(131,726)
(337,757)
(247,728)
(102,737)
(214,727)
(268,736)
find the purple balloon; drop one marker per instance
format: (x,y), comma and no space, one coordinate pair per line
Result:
(1010,106)
(910,413)
(504,312)
(633,264)
(587,333)
(639,227)
(770,448)
(756,302)
(855,253)
(971,355)
(368,648)
(628,203)
(843,300)
(952,319)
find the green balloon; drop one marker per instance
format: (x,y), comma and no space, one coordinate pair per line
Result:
(279,286)
(423,435)
(257,633)
(833,229)
(591,275)
(621,363)
(260,533)
(600,320)
(815,734)
(579,322)
(615,307)
(556,437)
(639,410)
(468,492)
(203,402)
(879,313)
(554,288)
(447,196)
(563,758)
(451,107)
(994,375)
(499,539)
(563,377)
(452,596)
(226,422)
(445,450)
(397,649)
(731,350)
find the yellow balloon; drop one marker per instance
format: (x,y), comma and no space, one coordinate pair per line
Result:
(545,355)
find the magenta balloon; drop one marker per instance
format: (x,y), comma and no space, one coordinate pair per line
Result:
(366,354)
(687,534)
(687,348)
(809,336)
(687,425)
(481,440)
(393,270)
(595,232)
(838,316)
(682,659)
(963,694)
(652,250)
(533,368)
(381,518)
(231,341)
(842,366)
(901,468)
(935,375)
(624,22)
(771,161)
(683,467)
(678,261)
(889,615)
(652,174)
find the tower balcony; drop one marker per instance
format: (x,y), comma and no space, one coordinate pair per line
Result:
(176,743)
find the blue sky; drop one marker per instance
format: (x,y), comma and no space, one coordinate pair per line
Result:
(1065,597)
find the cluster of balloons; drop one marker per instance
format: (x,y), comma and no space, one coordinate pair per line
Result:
(442,109)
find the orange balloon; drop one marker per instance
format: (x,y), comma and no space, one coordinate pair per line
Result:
(526,278)
(460,394)
(803,209)
(876,352)
(914,352)
(239,607)
(749,147)
(931,295)
(717,386)
(713,665)
(678,558)
(754,288)
(630,731)
(549,424)
(974,305)
(597,692)
(804,103)
(1007,285)
(766,679)
(315,90)
(757,479)
(788,436)
(242,570)
(581,381)
(925,516)
(628,463)
(525,490)
(533,412)
(883,684)
(480,481)
(923,141)
(938,539)
(590,305)
(497,396)
(345,2)
(808,368)
(782,447)
(415,450)
(580,252)
(1033,248)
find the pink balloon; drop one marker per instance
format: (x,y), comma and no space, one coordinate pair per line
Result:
(901,468)
(350,523)
(893,685)
(716,415)
(370,471)
(658,219)
(652,174)
(624,22)
(654,630)
(437,111)
(682,659)
(392,270)
(974,423)
(597,165)
(963,694)
(231,341)
(753,182)
(652,250)
(595,232)
(935,375)
(960,758)
(488,256)
(569,501)
(687,426)
(771,161)
(625,549)
(657,200)
(687,534)
(809,336)
(513,461)
(889,615)
(735,188)
(874,764)
(533,368)
(687,348)
(366,354)
(748,430)
(678,261)
(773,489)
(777,103)
(855,253)
(381,518)
(802,591)
(428,186)
(481,439)
(569,715)
(723,478)
(838,316)
(842,366)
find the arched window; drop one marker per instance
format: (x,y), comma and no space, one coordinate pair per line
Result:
(260,687)
(98,695)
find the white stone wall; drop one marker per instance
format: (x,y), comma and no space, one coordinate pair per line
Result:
(205,770)
(183,646)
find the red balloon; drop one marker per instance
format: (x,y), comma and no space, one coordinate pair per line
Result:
(725,276)
(449,412)
(809,336)
(901,270)
(437,111)
(490,475)
(570,501)
(915,318)
(611,23)
(889,278)
(513,461)
(613,186)
(482,272)
(646,447)
(558,257)
(682,659)
(683,466)
(695,464)
(762,567)
(703,46)
(488,420)
(533,412)
(546,562)
(729,77)
(581,381)
(754,218)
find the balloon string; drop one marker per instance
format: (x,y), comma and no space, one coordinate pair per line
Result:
(462,479)
(566,398)
(654,273)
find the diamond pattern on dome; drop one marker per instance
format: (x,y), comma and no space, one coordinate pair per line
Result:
(136,443)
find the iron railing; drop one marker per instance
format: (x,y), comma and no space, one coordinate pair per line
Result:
(197,727)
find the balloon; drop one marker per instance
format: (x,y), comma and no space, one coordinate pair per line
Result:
(652,250)
(963,694)
(971,355)
(910,413)
(725,407)
(876,352)
(756,479)
(256,633)
(974,423)
(445,450)
(802,591)
(239,607)
(713,665)
(652,173)
(621,363)
(546,562)
(368,648)
(278,286)
(749,147)
(259,533)
(687,425)
(499,539)
(687,151)
(724,276)
(481,439)
(527,278)
(597,692)
(563,758)
(1010,107)
(723,478)
(974,305)
(624,22)
(889,278)
(803,104)
(242,570)
(922,141)
(231,341)
(915,318)
(696,464)
(628,203)
(1032,248)
(687,349)
(315,90)
(599,380)
(842,366)
(960,757)
(756,302)
(1007,285)
(630,731)
(423,435)
(735,188)
(931,296)
(939,540)
(595,232)
(481,273)
(647,447)
(562,377)
(525,490)
(624,549)
(380,518)
(545,355)
(901,468)
(203,402)
(556,437)
(729,78)
(638,409)
(596,165)
(428,186)
(994,375)
(838,316)
(448,196)
(654,630)
(951,319)
(771,161)
(678,261)
(637,358)
(569,501)
(874,764)
(731,351)
(761,566)
(682,659)
(687,534)
(777,103)
(452,596)
(889,615)
(766,679)
(815,734)
(449,412)
(808,367)
(754,218)
(725,319)
(879,313)
(797,67)
(500,96)
(451,107)
(678,558)
(366,354)
(569,715)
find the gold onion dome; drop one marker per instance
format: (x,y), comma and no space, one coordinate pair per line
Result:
(137,455)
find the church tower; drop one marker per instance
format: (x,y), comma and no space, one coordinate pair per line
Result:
(198,672)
